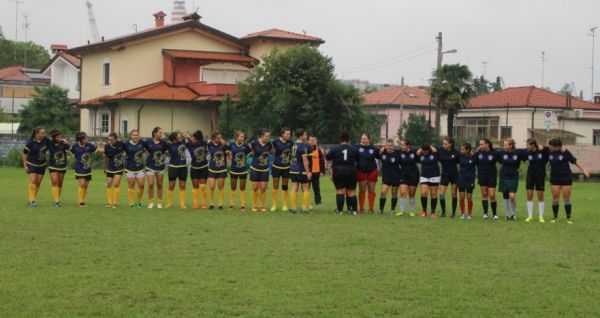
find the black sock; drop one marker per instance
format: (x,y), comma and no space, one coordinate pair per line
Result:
(394,203)
(381,203)
(351,203)
(434,204)
(442,204)
(454,203)
(555,210)
(424,203)
(494,206)
(339,200)
(568,207)
(484,203)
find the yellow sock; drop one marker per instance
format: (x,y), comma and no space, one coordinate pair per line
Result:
(203,193)
(31,191)
(232,197)
(306,200)
(274,198)
(81,195)
(254,198)
(284,198)
(84,194)
(55,194)
(263,198)
(169,198)
(293,203)
(116,195)
(140,194)
(221,197)
(109,195)
(182,199)
(150,200)
(130,196)
(59,192)
(37,189)
(243,198)
(211,197)
(195,196)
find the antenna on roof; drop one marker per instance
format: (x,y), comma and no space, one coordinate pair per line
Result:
(26,25)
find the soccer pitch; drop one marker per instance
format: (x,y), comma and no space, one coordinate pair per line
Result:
(98,262)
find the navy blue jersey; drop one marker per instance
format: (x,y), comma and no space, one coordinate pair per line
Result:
(390,164)
(218,160)
(486,162)
(156,154)
(116,157)
(260,156)
(511,161)
(199,153)
(239,152)
(366,158)
(343,155)
(466,174)
(450,159)
(283,153)
(58,155)
(36,151)
(430,167)
(177,157)
(560,168)
(408,162)
(537,162)
(299,152)
(83,158)
(134,154)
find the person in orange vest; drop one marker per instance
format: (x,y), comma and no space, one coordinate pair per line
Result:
(317,166)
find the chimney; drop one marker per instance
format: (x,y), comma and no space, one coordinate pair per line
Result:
(159,19)
(55,48)
(597,99)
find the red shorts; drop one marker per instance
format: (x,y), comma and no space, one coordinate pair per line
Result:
(366,176)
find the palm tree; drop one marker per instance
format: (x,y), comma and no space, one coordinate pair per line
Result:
(451,88)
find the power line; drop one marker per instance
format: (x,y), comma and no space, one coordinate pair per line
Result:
(392,63)
(389,59)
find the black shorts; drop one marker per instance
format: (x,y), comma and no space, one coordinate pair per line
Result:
(561,182)
(487,180)
(238,176)
(410,178)
(113,174)
(467,187)
(199,173)
(217,175)
(391,182)
(259,176)
(36,169)
(449,178)
(53,170)
(533,183)
(178,173)
(88,177)
(280,173)
(299,177)
(344,177)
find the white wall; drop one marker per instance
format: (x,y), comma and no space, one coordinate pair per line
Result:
(66,76)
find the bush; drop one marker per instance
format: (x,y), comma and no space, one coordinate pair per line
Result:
(14,158)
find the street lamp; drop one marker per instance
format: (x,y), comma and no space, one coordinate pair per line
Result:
(438,111)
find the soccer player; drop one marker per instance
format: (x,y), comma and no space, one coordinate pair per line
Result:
(114,165)
(178,169)
(409,173)
(367,172)
(82,150)
(198,167)
(300,172)
(343,160)
(430,177)
(280,169)
(34,162)
(134,168)
(155,147)
(238,173)
(317,167)
(57,165)
(487,175)
(537,157)
(561,177)
(390,170)
(259,169)
(450,159)
(217,168)
(466,180)
(509,177)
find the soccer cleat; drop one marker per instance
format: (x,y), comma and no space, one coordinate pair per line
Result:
(443,214)
(114,206)
(132,206)
(453,215)
(293,212)
(495,218)
(231,208)
(485,216)
(507,218)
(412,214)
(211,207)
(254,210)
(242,208)
(528,219)
(284,209)
(159,205)
(370,212)
(108,205)
(220,207)
(183,207)
(32,204)
(569,221)
(380,212)
(263,209)
(468,217)
(462,216)
(203,207)
(554,220)
(273,208)
(196,206)
(57,204)
(337,212)
(82,205)
(400,214)
(432,216)
(542,220)
(423,214)
(354,213)
(151,205)
(138,205)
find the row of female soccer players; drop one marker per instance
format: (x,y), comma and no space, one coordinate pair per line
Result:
(459,169)
(211,162)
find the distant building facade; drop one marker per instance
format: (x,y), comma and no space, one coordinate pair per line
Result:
(17,87)
(63,71)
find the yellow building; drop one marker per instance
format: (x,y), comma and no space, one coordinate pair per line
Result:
(172,76)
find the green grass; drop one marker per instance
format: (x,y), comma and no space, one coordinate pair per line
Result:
(98,262)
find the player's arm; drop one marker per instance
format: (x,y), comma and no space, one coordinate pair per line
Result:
(306,166)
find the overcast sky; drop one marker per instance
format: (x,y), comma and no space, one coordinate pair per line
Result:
(369,39)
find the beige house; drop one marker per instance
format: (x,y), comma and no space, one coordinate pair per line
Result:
(173,76)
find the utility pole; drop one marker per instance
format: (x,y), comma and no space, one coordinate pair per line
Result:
(17,3)
(438,107)
(593,35)
(543,65)
(26,27)
(402,102)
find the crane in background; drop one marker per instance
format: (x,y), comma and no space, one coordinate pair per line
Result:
(92,20)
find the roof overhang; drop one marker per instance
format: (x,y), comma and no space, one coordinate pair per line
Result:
(554,132)
(210,57)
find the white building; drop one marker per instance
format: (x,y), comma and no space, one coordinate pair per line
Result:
(63,71)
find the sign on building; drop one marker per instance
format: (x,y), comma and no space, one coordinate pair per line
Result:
(548,119)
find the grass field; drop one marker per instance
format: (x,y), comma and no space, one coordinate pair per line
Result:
(98,262)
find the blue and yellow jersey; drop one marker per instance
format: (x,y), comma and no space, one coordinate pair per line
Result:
(156,150)
(36,152)
(198,152)
(58,155)
(218,159)
(177,155)
(83,158)
(260,156)
(299,151)
(239,152)
(283,153)
(134,153)
(116,157)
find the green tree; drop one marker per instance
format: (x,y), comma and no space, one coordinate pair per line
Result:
(498,85)
(36,55)
(416,129)
(451,88)
(568,88)
(227,117)
(481,86)
(49,108)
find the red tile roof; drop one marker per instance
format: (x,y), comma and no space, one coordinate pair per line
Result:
(396,95)
(21,74)
(73,60)
(58,47)
(210,56)
(283,35)
(527,97)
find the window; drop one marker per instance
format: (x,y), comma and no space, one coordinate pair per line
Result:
(124,128)
(106,72)
(505,132)
(596,134)
(222,76)
(475,127)
(104,123)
